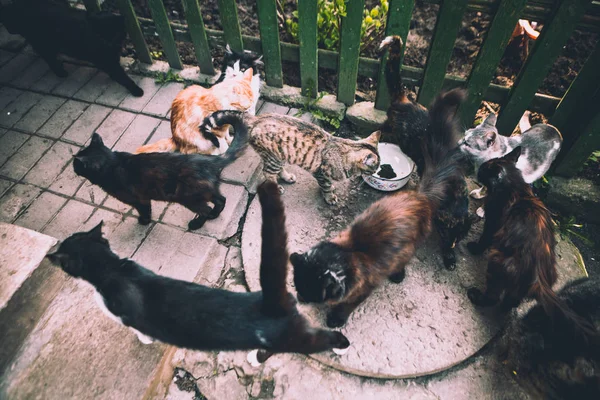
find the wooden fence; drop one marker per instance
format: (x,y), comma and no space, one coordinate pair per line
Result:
(576,115)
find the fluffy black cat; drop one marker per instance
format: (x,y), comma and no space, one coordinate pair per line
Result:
(191,180)
(193,316)
(53,27)
(238,62)
(551,357)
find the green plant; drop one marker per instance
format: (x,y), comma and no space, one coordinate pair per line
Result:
(329,20)
(594,158)
(170,76)
(311,106)
(566,226)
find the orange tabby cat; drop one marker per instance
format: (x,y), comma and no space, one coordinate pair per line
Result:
(194,103)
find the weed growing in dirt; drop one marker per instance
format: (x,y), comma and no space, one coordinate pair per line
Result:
(331,122)
(170,76)
(567,225)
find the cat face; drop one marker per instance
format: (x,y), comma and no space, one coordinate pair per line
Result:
(74,252)
(235,62)
(497,171)
(481,138)
(319,274)
(92,160)
(367,159)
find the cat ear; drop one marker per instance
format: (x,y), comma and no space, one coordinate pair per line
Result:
(296,259)
(228,49)
(491,120)
(514,155)
(490,138)
(373,138)
(96,231)
(58,259)
(334,286)
(258,61)
(96,140)
(248,74)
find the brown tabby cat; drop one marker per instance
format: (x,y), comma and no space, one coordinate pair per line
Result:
(193,104)
(283,139)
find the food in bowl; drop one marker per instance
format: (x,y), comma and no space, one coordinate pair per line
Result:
(394,171)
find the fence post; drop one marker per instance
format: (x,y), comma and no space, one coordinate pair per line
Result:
(269,37)
(398,23)
(165,34)
(587,142)
(135,32)
(92,5)
(489,56)
(231,26)
(307,26)
(547,47)
(446,30)
(193,16)
(349,51)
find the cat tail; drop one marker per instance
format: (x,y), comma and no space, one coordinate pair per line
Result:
(276,300)
(393,77)
(440,146)
(162,146)
(240,140)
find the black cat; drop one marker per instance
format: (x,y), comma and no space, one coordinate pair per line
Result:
(239,62)
(552,357)
(53,27)
(191,180)
(193,316)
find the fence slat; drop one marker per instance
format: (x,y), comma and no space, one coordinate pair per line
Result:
(307,26)
(581,90)
(349,51)
(92,5)
(587,142)
(489,56)
(135,32)
(165,34)
(548,46)
(193,16)
(446,30)
(231,26)
(269,36)
(398,23)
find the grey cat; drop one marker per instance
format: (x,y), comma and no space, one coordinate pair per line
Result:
(540,145)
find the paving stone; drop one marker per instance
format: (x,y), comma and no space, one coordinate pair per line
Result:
(365,117)
(16,200)
(158,208)
(19,107)
(50,80)
(226,225)
(67,182)
(246,170)
(91,193)
(41,211)
(114,125)
(2,132)
(51,164)
(137,133)
(15,67)
(272,108)
(9,143)
(17,166)
(115,93)
(162,100)
(75,81)
(124,233)
(4,186)
(38,115)
(162,132)
(117,205)
(132,103)
(68,220)
(8,95)
(32,74)
(63,118)
(82,129)
(6,56)
(92,90)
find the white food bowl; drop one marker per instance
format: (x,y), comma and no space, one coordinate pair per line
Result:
(402,165)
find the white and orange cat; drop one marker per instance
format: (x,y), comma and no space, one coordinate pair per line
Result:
(239,90)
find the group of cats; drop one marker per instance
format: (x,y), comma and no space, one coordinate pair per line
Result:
(555,348)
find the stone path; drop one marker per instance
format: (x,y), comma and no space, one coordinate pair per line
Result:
(71,350)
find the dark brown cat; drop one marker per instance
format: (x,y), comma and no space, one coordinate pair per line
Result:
(381,241)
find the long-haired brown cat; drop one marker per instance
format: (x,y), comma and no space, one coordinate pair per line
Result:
(281,139)
(238,91)
(381,241)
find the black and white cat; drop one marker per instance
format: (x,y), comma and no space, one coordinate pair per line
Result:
(539,144)
(236,63)
(193,316)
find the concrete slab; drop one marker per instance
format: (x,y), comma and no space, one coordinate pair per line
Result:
(75,81)
(82,129)
(69,220)
(137,133)
(7,95)
(15,67)
(19,107)
(91,193)
(114,125)
(9,143)
(39,114)
(21,162)
(6,56)
(41,211)
(365,117)
(246,170)
(51,164)
(161,102)
(63,118)
(114,93)
(67,181)
(132,103)
(94,88)
(15,200)
(32,74)
(273,108)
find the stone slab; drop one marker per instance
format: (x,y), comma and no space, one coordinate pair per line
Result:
(132,103)
(160,104)
(291,97)
(63,118)
(246,170)
(75,81)
(6,56)
(8,95)
(38,115)
(15,200)
(365,117)
(41,211)
(9,143)
(114,93)
(575,196)
(82,129)
(67,181)
(114,125)
(19,107)
(22,161)
(68,221)
(137,133)
(94,88)
(32,74)
(51,164)
(15,67)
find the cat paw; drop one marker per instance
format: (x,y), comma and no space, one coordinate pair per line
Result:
(341,352)
(196,223)
(145,339)
(450,262)
(331,199)
(335,321)
(475,295)
(136,91)
(144,220)
(287,177)
(474,248)
(480,212)
(281,189)
(398,277)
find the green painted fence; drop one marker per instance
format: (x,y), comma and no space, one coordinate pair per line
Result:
(560,19)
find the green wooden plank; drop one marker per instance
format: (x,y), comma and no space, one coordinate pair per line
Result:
(446,30)
(548,46)
(92,5)
(398,23)
(349,51)
(135,32)
(307,26)
(588,142)
(231,26)
(489,56)
(193,16)
(269,36)
(165,34)
(581,90)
